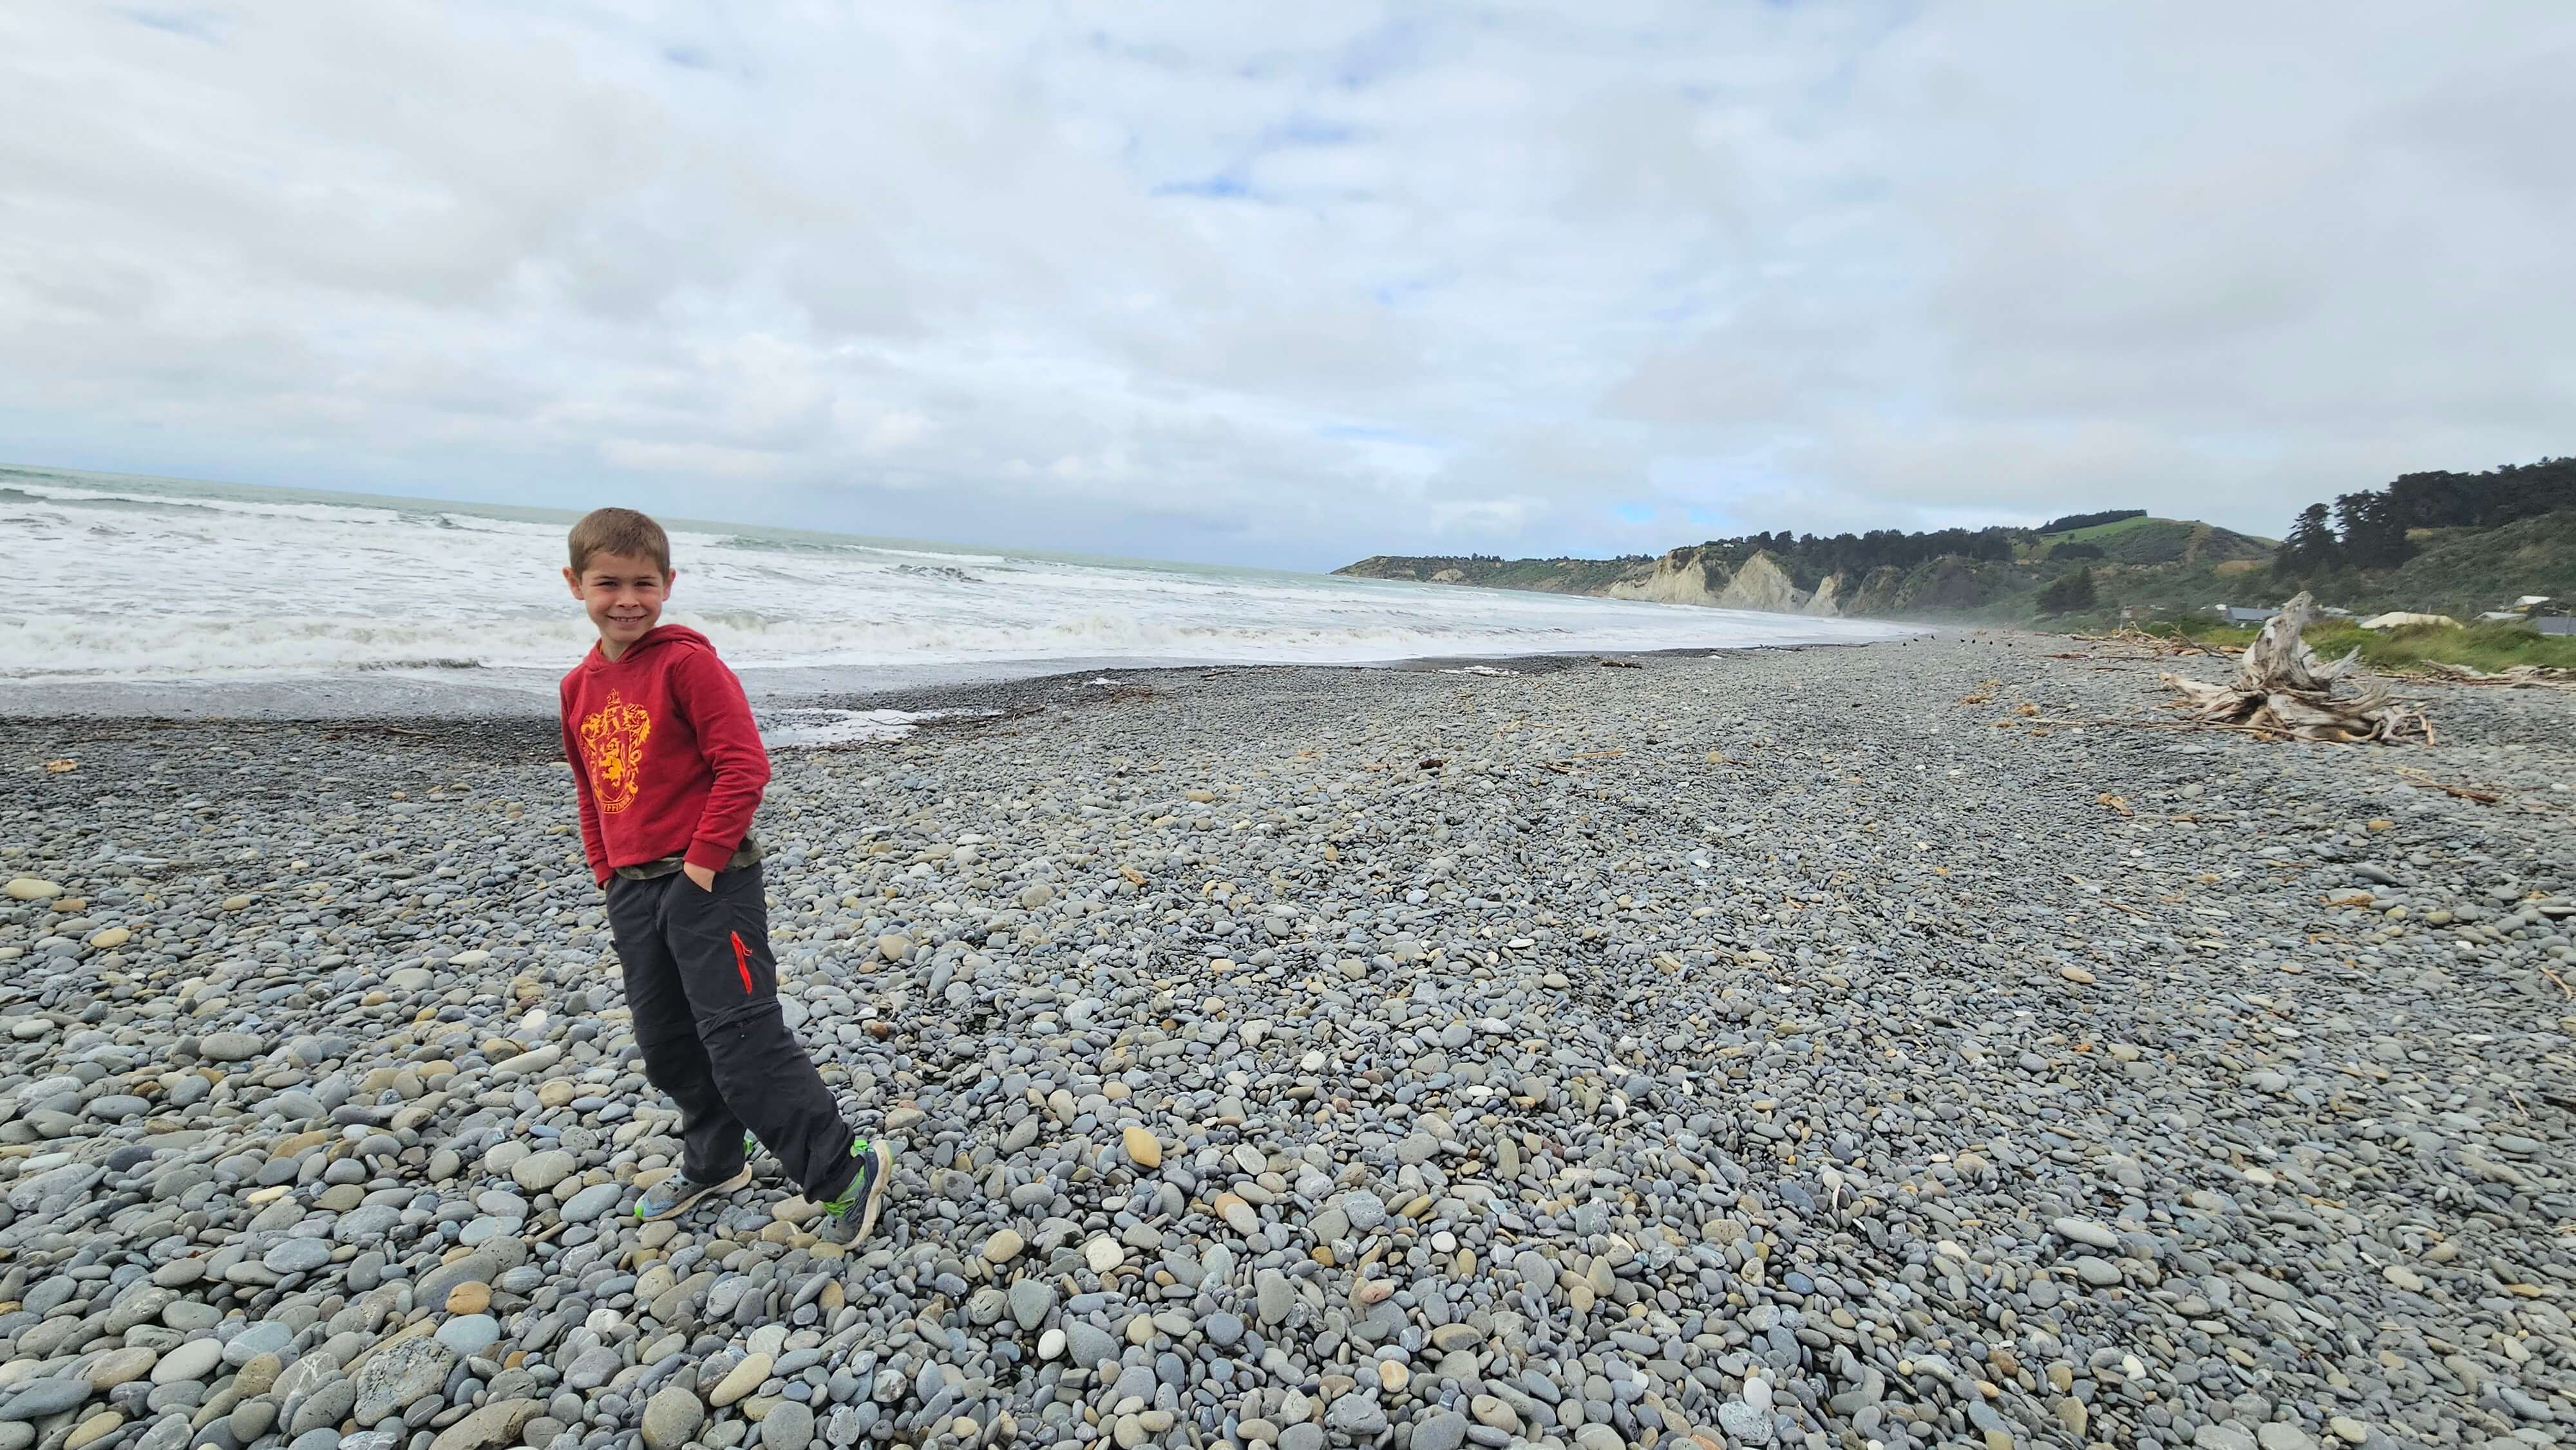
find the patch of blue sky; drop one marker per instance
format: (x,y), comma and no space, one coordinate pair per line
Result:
(206,25)
(1221,185)
(1234,180)
(1306,131)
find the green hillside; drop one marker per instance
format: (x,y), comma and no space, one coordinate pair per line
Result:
(2441,542)
(2096,533)
(2464,572)
(2161,541)
(1986,575)
(2445,543)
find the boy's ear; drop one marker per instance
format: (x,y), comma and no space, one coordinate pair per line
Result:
(572,581)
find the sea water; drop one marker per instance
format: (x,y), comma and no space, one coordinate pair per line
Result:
(115,580)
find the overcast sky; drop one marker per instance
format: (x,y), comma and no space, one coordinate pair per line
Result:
(1292,284)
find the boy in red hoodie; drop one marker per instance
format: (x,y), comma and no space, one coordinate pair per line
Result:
(669,768)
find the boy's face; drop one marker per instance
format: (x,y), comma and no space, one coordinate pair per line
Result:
(623,596)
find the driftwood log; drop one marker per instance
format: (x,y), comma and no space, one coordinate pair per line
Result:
(2283,689)
(2513,677)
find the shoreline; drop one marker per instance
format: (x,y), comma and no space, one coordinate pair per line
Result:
(513,694)
(1534,1062)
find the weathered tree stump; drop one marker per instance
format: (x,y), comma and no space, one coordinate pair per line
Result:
(2282,689)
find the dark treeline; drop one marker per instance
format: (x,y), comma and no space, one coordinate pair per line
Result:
(1853,555)
(2086,521)
(2367,530)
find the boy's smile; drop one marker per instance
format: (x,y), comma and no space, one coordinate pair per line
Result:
(623,595)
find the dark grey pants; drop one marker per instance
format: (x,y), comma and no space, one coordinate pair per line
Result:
(704,991)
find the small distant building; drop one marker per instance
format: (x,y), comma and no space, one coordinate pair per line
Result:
(2239,614)
(2563,624)
(2523,608)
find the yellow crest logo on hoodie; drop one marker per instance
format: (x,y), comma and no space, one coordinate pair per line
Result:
(612,746)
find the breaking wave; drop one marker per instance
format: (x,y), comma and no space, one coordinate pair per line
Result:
(205,580)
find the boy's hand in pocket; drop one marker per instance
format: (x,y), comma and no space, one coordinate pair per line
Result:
(699,876)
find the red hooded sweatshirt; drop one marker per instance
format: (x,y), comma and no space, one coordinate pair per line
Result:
(664,753)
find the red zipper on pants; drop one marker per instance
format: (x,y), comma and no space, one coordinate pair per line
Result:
(742,962)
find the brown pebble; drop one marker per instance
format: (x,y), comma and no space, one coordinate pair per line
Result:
(1142,1149)
(257,1375)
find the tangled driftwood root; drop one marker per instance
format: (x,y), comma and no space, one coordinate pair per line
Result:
(2283,689)
(2513,677)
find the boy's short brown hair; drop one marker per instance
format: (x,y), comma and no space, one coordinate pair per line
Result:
(619,531)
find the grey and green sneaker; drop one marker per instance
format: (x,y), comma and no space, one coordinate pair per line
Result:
(853,1216)
(673,1195)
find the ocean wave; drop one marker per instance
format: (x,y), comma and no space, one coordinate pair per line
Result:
(790,544)
(289,584)
(168,645)
(782,546)
(111,503)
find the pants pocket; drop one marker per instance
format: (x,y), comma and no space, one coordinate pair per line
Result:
(722,938)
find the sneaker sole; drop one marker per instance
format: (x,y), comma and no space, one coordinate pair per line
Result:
(738,1181)
(884,1154)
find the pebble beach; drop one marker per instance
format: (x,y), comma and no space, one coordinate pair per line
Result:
(1830,1048)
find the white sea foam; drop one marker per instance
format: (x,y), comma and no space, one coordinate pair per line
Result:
(812,728)
(114,577)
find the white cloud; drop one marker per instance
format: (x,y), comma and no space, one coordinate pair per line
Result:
(704,460)
(1297,284)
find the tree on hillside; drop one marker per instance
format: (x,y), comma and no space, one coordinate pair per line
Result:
(2309,547)
(2068,593)
(2373,525)
(2484,500)
(2374,532)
